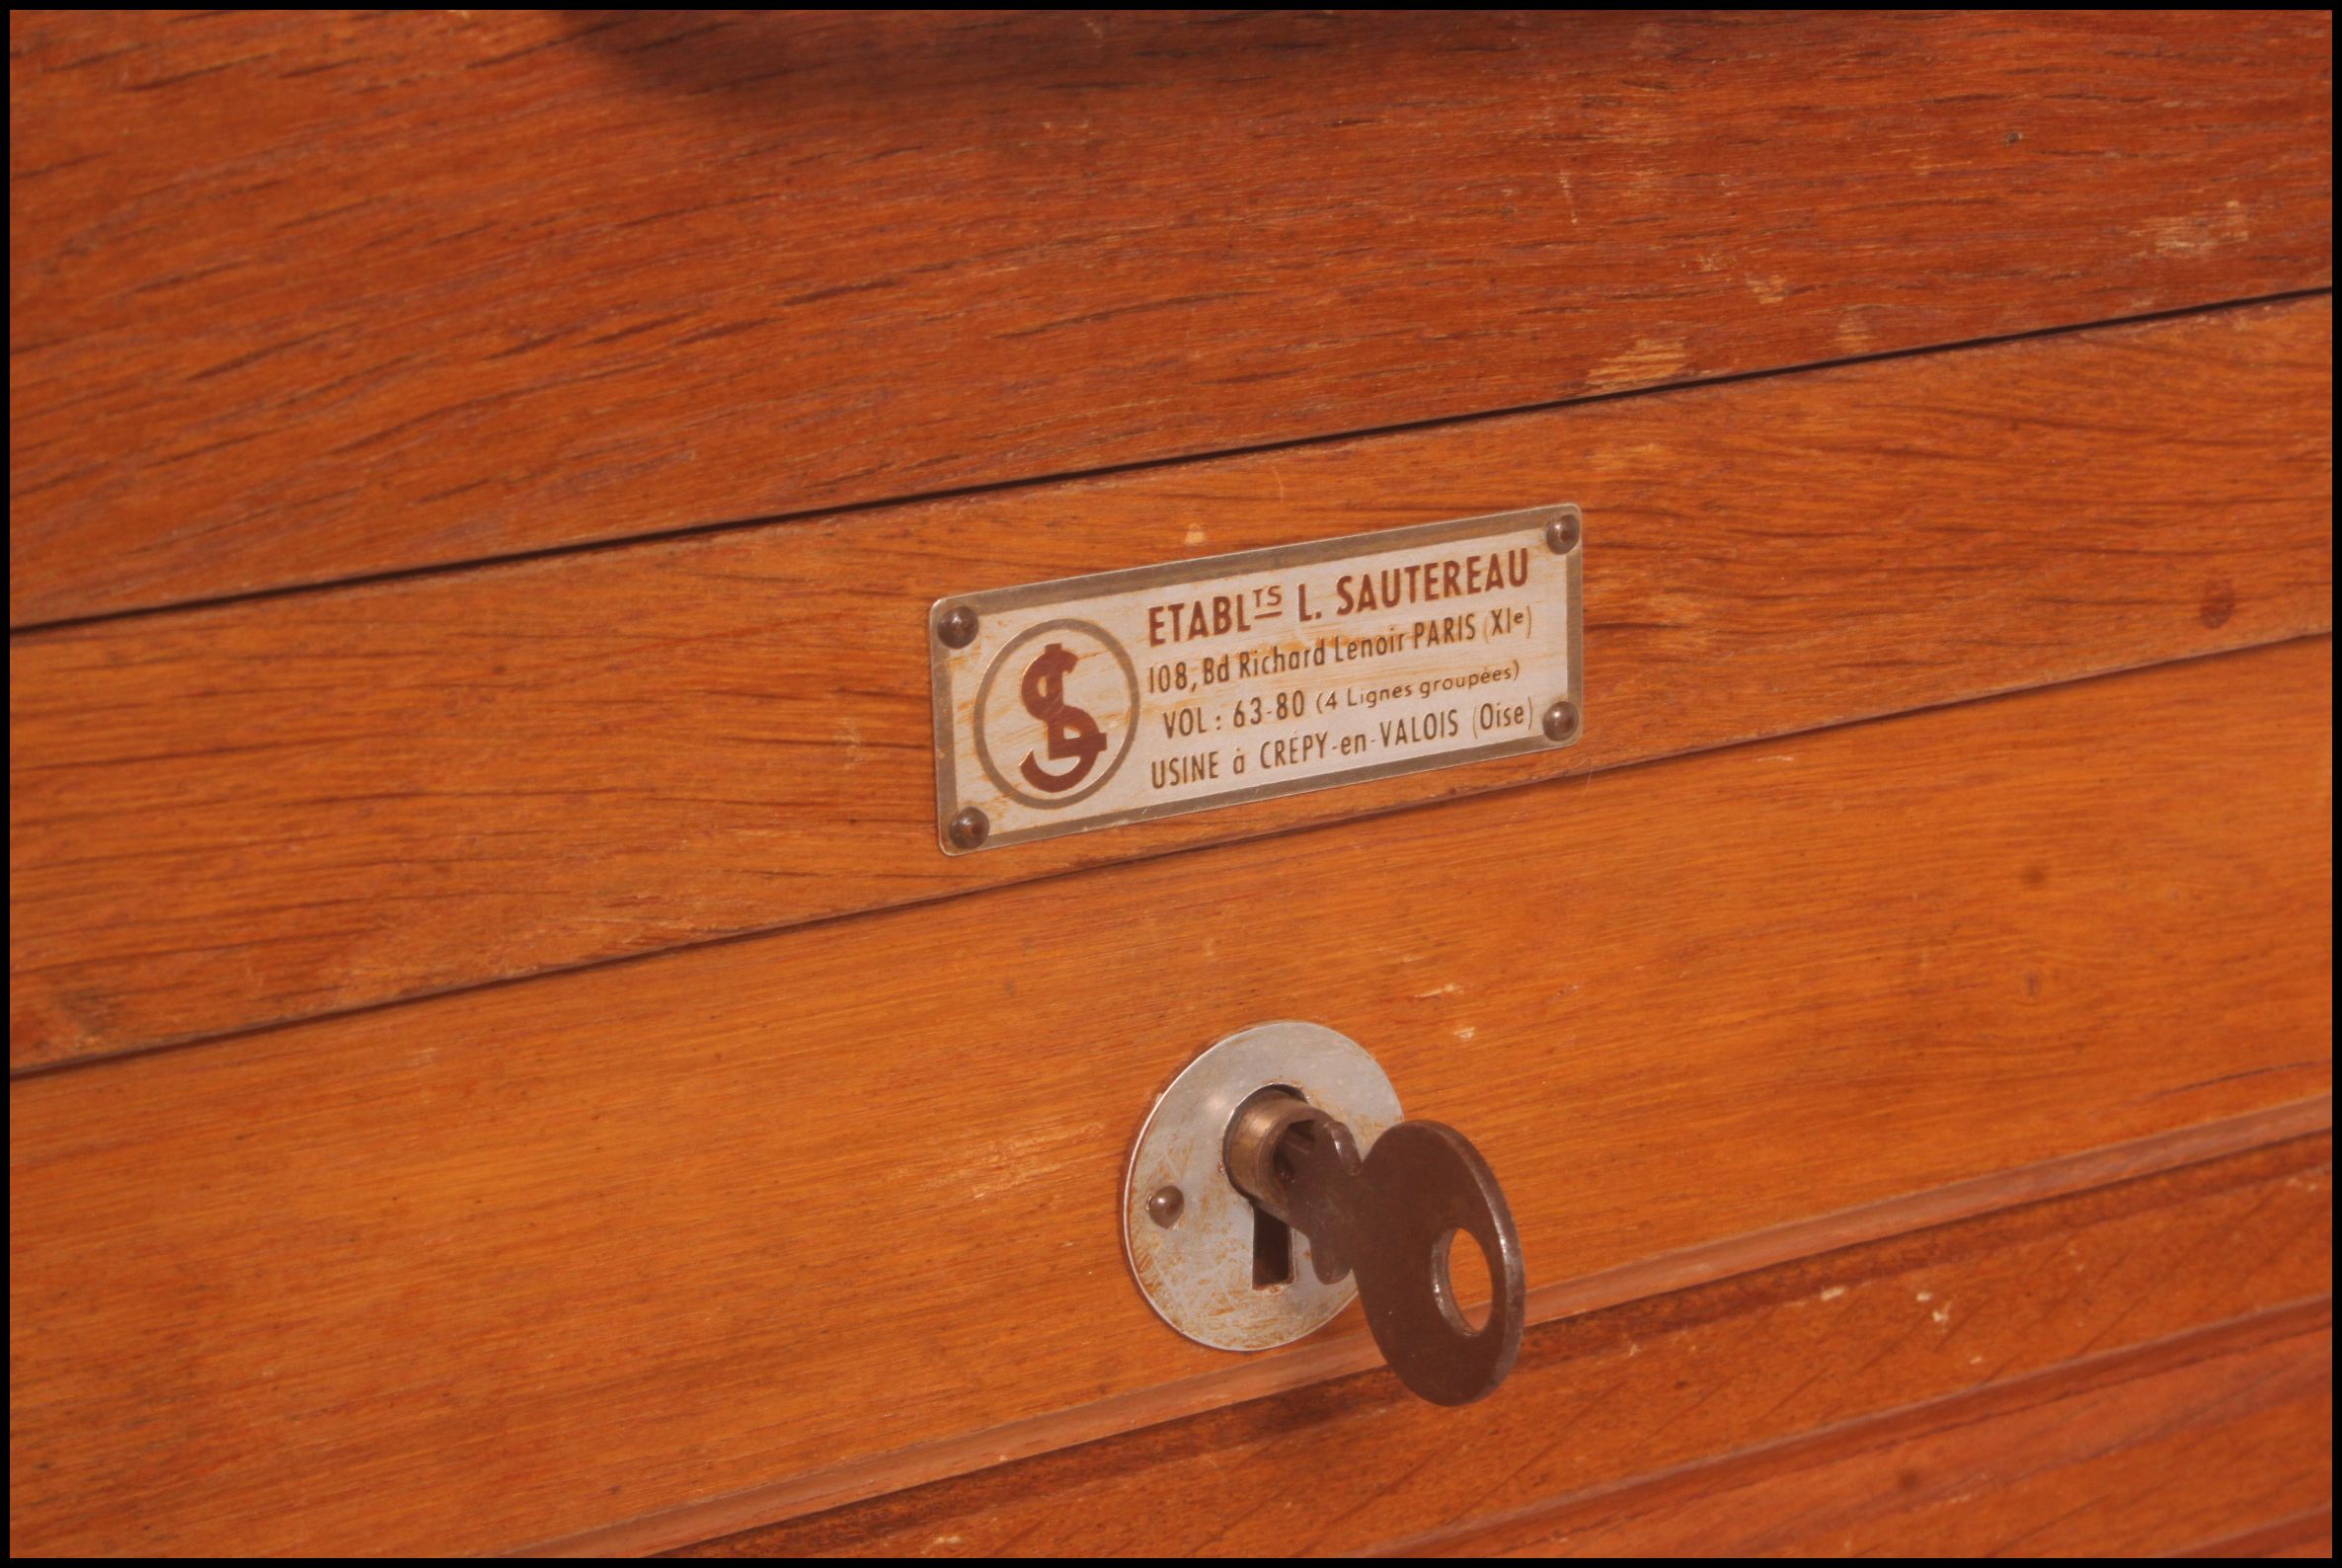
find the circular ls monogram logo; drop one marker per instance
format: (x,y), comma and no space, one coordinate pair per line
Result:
(1055,714)
(1073,736)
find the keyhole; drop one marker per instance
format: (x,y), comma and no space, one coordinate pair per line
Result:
(1271,1237)
(1272,1251)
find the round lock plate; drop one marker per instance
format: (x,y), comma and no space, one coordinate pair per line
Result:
(1192,1252)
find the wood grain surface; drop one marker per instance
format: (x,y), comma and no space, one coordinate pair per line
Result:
(2130,1456)
(270,810)
(508,1265)
(1325,1357)
(1604,1399)
(296,296)
(2306,1534)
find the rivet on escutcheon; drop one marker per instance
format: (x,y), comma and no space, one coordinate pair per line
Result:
(970,829)
(1562,533)
(1561,721)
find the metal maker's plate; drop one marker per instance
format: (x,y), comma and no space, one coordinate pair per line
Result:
(1197,1272)
(1127,695)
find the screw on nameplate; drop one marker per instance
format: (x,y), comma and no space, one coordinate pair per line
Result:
(956,627)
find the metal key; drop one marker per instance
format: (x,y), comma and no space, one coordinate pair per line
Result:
(1389,1219)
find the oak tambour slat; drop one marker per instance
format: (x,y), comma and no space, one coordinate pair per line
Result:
(276,808)
(301,296)
(1601,1399)
(489,1268)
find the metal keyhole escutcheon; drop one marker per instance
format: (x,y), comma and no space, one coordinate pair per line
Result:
(1284,1142)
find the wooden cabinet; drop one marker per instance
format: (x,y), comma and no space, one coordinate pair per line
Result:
(500,1062)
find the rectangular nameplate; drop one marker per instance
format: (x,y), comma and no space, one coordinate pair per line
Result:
(1113,698)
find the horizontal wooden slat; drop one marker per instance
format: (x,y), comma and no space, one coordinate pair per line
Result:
(1598,1400)
(511,1263)
(2132,1457)
(295,298)
(1329,1356)
(278,808)
(2308,1534)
